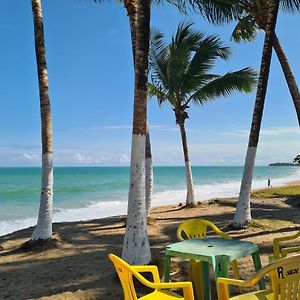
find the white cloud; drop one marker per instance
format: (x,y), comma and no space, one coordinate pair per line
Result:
(111,127)
(267,132)
(31,157)
(124,159)
(277,145)
(152,127)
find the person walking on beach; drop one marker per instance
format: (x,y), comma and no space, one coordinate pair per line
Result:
(269,183)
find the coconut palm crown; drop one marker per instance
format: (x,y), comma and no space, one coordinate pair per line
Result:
(181,74)
(180,70)
(252,16)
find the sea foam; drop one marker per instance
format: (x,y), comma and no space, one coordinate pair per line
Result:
(101,208)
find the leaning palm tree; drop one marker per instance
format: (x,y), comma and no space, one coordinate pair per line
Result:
(43,229)
(136,249)
(243,212)
(252,18)
(180,73)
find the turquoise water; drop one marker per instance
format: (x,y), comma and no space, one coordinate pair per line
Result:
(92,192)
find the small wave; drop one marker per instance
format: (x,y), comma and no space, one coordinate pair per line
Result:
(101,208)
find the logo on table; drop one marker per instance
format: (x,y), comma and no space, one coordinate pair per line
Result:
(280,272)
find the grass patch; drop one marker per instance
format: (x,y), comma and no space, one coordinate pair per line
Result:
(278,192)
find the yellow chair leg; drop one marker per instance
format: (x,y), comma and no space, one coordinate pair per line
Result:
(235,268)
(197,278)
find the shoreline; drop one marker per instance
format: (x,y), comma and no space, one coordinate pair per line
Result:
(122,209)
(79,267)
(95,209)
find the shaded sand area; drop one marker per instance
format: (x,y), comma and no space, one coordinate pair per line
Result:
(79,267)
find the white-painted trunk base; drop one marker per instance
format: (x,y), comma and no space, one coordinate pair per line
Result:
(43,229)
(149,184)
(243,210)
(190,196)
(136,248)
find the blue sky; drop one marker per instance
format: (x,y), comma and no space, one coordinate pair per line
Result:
(91,89)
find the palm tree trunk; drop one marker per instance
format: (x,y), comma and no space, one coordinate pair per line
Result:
(242,215)
(290,79)
(148,173)
(130,6)
(43,229)
(190,197)
(136,248)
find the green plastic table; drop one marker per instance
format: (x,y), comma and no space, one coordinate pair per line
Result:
(217,252)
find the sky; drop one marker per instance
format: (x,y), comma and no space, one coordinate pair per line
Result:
(91,91)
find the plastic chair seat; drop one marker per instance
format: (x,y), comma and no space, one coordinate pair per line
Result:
(162,295)
(257,295)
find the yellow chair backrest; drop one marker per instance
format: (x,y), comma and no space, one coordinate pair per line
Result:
(124,271)
(286,279)
(197,228)
(284,276)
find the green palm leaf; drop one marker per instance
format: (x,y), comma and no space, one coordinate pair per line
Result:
(245,29)
(180,70)
(243,80)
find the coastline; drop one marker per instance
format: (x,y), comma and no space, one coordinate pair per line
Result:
(79,267)
(103,200)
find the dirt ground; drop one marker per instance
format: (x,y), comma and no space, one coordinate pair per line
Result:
(80,269)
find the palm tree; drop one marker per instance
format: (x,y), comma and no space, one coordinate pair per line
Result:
(243,212)
(136,249)
(253,17)
(130,6)
(180,76)
(43,229)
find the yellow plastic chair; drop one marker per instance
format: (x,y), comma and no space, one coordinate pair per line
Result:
(161,291)
(197,229)
(279,251)
(284,282)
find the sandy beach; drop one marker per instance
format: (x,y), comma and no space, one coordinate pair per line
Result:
(79,267)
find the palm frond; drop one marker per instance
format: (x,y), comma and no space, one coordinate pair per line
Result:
(208,50)
(215,11)
(157,56)
(243,80)
(156,90)
(180,70)
(290,6)
(245,30)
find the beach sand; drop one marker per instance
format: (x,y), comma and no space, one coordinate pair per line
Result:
(79,267)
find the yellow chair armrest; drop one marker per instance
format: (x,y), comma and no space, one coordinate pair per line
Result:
(218,231)
(277,241)
(285,251)
(229,281)
(150,269)
(185,286)
(223,283)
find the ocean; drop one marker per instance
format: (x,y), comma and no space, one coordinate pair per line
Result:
(82,193)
